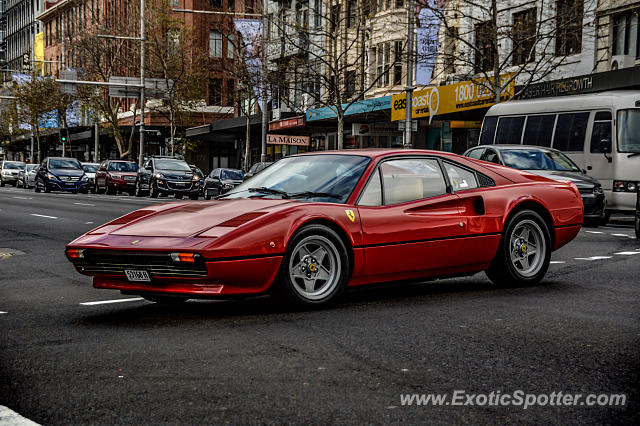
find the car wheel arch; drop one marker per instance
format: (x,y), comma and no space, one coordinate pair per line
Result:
(538,208)
(339,230)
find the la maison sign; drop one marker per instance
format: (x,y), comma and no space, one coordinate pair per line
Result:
(288,140)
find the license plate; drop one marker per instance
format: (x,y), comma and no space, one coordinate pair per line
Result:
(137,275)
(129,178)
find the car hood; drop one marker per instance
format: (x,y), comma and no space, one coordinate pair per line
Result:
(184,220)
(67,172)
(233,182)
(580,179)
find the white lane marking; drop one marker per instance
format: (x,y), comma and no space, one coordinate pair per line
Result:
(621,235)
(23,198)
(42,215)
(84,204)
(628,253)
(104,302)
(593,258)
(88,223)
(595,232)
(10,417)
(557,261)
(3,312)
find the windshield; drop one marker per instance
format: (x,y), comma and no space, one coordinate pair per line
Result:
(164,164)
(14,166)
(91,168)
(232,174)
(629,130)
(329,178)
(64,163)
(122,166)
(534,159)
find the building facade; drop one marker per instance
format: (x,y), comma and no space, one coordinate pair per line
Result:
(20,27)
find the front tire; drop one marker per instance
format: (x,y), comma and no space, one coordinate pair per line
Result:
(153,190)
(637,223)
(110,190)
(524,252)
(36,187)
(315,268)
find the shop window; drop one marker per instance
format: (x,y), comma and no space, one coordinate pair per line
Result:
(569,27)
(539,130)
(509,130)
(570,131)
(524,36)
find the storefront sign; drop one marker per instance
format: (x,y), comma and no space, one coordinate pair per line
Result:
(368,129)
(288,140)
(286,124)
(456,97)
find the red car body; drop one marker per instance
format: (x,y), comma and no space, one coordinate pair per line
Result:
(240,243)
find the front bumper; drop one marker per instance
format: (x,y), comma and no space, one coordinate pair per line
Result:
(68,185)
(178,187)
(122,184)
(594,205)
(10,178)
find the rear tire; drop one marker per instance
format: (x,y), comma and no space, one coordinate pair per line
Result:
(138,190)
(315,268)
(36,187)
(524,252)
(637,223)
(1,182)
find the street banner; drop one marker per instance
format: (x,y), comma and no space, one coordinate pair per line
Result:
(428,23)
(288,140)
(439,100)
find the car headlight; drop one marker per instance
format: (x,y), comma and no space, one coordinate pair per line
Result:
(227,186)
(196,178)
(159,176)
(597,190)
(52,176)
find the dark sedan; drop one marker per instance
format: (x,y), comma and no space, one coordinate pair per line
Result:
(61,173)
(255,169)
(220,181)
(550,163)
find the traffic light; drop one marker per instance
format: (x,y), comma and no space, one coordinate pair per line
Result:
(64,139)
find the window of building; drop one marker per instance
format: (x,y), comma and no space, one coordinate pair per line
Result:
(569,27)
(231,90)
(570,131)
(397,61)
(216,4)
(539,130)
(317,13)
(387,62)
(231,4)
(524,36)
(399,4)
(626,37)
(215,44)
(302,15)
(485,50)
(231,45)
(174,3)
(349,83)
(335,16)
(215,91)
(352,9)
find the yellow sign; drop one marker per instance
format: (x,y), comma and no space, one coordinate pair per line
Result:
(465,124)
(38,53)
(350,215)
(456,97)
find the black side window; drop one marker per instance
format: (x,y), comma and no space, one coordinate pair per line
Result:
(570,131)
(491,156)
(475,153)
(539,130)
(509,130)
(601,130)
(488,130)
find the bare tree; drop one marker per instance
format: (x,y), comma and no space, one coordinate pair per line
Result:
(324,60)
(527,40)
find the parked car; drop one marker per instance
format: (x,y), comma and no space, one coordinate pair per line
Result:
(27,176)
(61,173)
(220,181)
(314,224)
(90,170)
(256,168)
(550,163)
(162,176)
(9,171)
(116,175)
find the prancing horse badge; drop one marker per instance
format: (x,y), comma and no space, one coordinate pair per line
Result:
(350,215)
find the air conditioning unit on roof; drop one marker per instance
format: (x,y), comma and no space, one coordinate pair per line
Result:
(622,61)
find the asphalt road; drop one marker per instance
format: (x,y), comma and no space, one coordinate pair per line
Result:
(251,361)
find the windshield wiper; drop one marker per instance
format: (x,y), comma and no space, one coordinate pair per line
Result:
(313,194)
(269,191)
(633,154)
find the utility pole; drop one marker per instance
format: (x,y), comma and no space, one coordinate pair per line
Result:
(409,87)
(265,116)
(141,154)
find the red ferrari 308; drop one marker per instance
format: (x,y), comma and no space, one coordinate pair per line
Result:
(313,224)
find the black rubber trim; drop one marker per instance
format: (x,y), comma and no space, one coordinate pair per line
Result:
(259,256)
(428,240)
(567,226)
